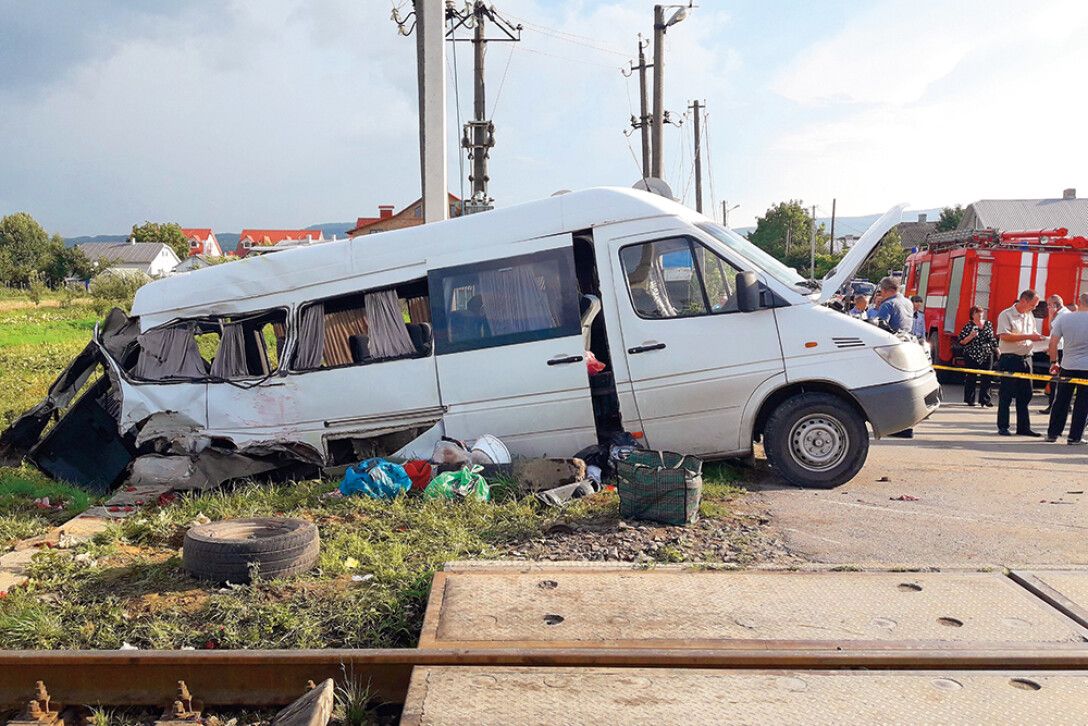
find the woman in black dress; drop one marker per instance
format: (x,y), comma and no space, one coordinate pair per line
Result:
(979,348)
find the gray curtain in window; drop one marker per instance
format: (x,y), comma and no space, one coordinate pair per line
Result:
(514,302)
(385,323)
(311,337)
(169,353)
(230,361)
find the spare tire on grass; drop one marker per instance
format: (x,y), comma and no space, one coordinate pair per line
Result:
(232,549)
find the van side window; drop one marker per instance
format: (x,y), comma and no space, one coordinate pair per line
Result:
(223,349)
(677,278)
(504,302)
(364,327)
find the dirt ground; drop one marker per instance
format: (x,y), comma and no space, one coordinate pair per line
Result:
(980,499)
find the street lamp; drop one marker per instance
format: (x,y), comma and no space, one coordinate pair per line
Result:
(659,80)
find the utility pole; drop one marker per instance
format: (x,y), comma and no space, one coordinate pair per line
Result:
(658,137)
(833,225)
(643,121)
(696,108)
(479,133)
(812,240)
(726,209)
(431,68)
(789,238)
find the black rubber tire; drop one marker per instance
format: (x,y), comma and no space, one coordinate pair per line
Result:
(229,550)
(794,410)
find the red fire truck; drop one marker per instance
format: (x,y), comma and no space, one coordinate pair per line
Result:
(956,270)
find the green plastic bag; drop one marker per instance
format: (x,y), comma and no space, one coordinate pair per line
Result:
(461,484)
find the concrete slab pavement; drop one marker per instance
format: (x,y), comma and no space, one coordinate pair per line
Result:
(957,494)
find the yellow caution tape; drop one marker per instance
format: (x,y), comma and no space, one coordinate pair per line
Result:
(1001,374)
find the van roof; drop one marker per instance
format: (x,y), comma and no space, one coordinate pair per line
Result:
(239,286)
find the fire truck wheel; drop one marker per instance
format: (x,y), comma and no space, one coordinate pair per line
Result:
(816,440)
(231,550)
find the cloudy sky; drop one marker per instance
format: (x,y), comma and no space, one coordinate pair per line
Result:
(284,113)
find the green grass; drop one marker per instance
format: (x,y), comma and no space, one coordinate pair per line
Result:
(36,343)
(130,586)
(20,518)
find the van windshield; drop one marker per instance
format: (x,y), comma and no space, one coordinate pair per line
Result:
(749,251)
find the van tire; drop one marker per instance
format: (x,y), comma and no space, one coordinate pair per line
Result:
(231,549)
(816,440)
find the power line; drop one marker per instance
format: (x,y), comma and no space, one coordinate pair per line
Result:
(580,61)
(502,82)
(566,36)
(710,164)
(457,105)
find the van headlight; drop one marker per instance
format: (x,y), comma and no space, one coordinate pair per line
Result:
(904,356)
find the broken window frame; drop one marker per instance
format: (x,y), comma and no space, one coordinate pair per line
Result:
(207,324)
(407,291)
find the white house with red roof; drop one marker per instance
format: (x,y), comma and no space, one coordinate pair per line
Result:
(250,238)
(202,241)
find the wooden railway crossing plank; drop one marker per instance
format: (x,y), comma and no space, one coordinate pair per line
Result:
(595,696)
(542,606)
(1064,590)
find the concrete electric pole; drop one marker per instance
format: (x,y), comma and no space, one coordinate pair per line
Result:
(642,123)
(431,68)
(479,133)
(726,209)
(833,225)
(658,136)
(697,108)
(812,241)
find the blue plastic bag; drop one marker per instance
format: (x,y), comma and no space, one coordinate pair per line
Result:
(376,478)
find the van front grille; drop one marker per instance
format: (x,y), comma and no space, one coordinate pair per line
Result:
(848,342)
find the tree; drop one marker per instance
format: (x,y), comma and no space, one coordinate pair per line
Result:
(887,257)
(62,262)
(24,245)
(790,219)
(950,218)
(169,233)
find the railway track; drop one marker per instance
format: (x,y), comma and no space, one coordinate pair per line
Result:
(568,627)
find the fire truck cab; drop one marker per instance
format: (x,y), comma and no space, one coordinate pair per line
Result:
(957,270)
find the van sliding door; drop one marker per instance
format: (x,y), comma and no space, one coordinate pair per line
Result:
(510,351)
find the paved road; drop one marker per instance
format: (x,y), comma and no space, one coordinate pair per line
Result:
(981,499)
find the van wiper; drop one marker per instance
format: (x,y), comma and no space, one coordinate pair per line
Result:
(810,284)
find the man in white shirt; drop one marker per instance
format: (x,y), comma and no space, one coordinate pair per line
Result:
(860,308)
(1017,332)
(1055,308)
(1072,330)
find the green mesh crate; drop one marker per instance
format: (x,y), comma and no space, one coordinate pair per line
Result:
(661,486)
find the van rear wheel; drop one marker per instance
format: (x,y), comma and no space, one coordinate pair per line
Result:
(816,440)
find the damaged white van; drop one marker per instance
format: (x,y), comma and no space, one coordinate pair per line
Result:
(322,355)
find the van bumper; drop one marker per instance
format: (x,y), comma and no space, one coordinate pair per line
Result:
(892,407)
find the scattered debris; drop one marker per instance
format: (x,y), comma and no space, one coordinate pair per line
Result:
(314,708)
(884,478)
(904,498)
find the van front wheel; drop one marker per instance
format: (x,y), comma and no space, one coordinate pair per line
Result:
(816,440)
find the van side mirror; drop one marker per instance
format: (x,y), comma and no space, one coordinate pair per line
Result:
(748,292)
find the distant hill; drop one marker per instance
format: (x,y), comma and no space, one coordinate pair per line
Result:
(73,241)
(339,229)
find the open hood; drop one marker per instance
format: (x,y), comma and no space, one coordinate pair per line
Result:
(860,253)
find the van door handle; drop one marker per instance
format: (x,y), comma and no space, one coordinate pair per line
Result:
(646,348)
(564,360)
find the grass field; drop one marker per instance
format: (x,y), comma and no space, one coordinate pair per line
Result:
(36,342)
(127,585)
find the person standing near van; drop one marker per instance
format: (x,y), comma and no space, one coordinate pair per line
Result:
(918,326)
(1017,330)
(1072,329)
(1055,308)
(895,310)
(860,308)
(979,345)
